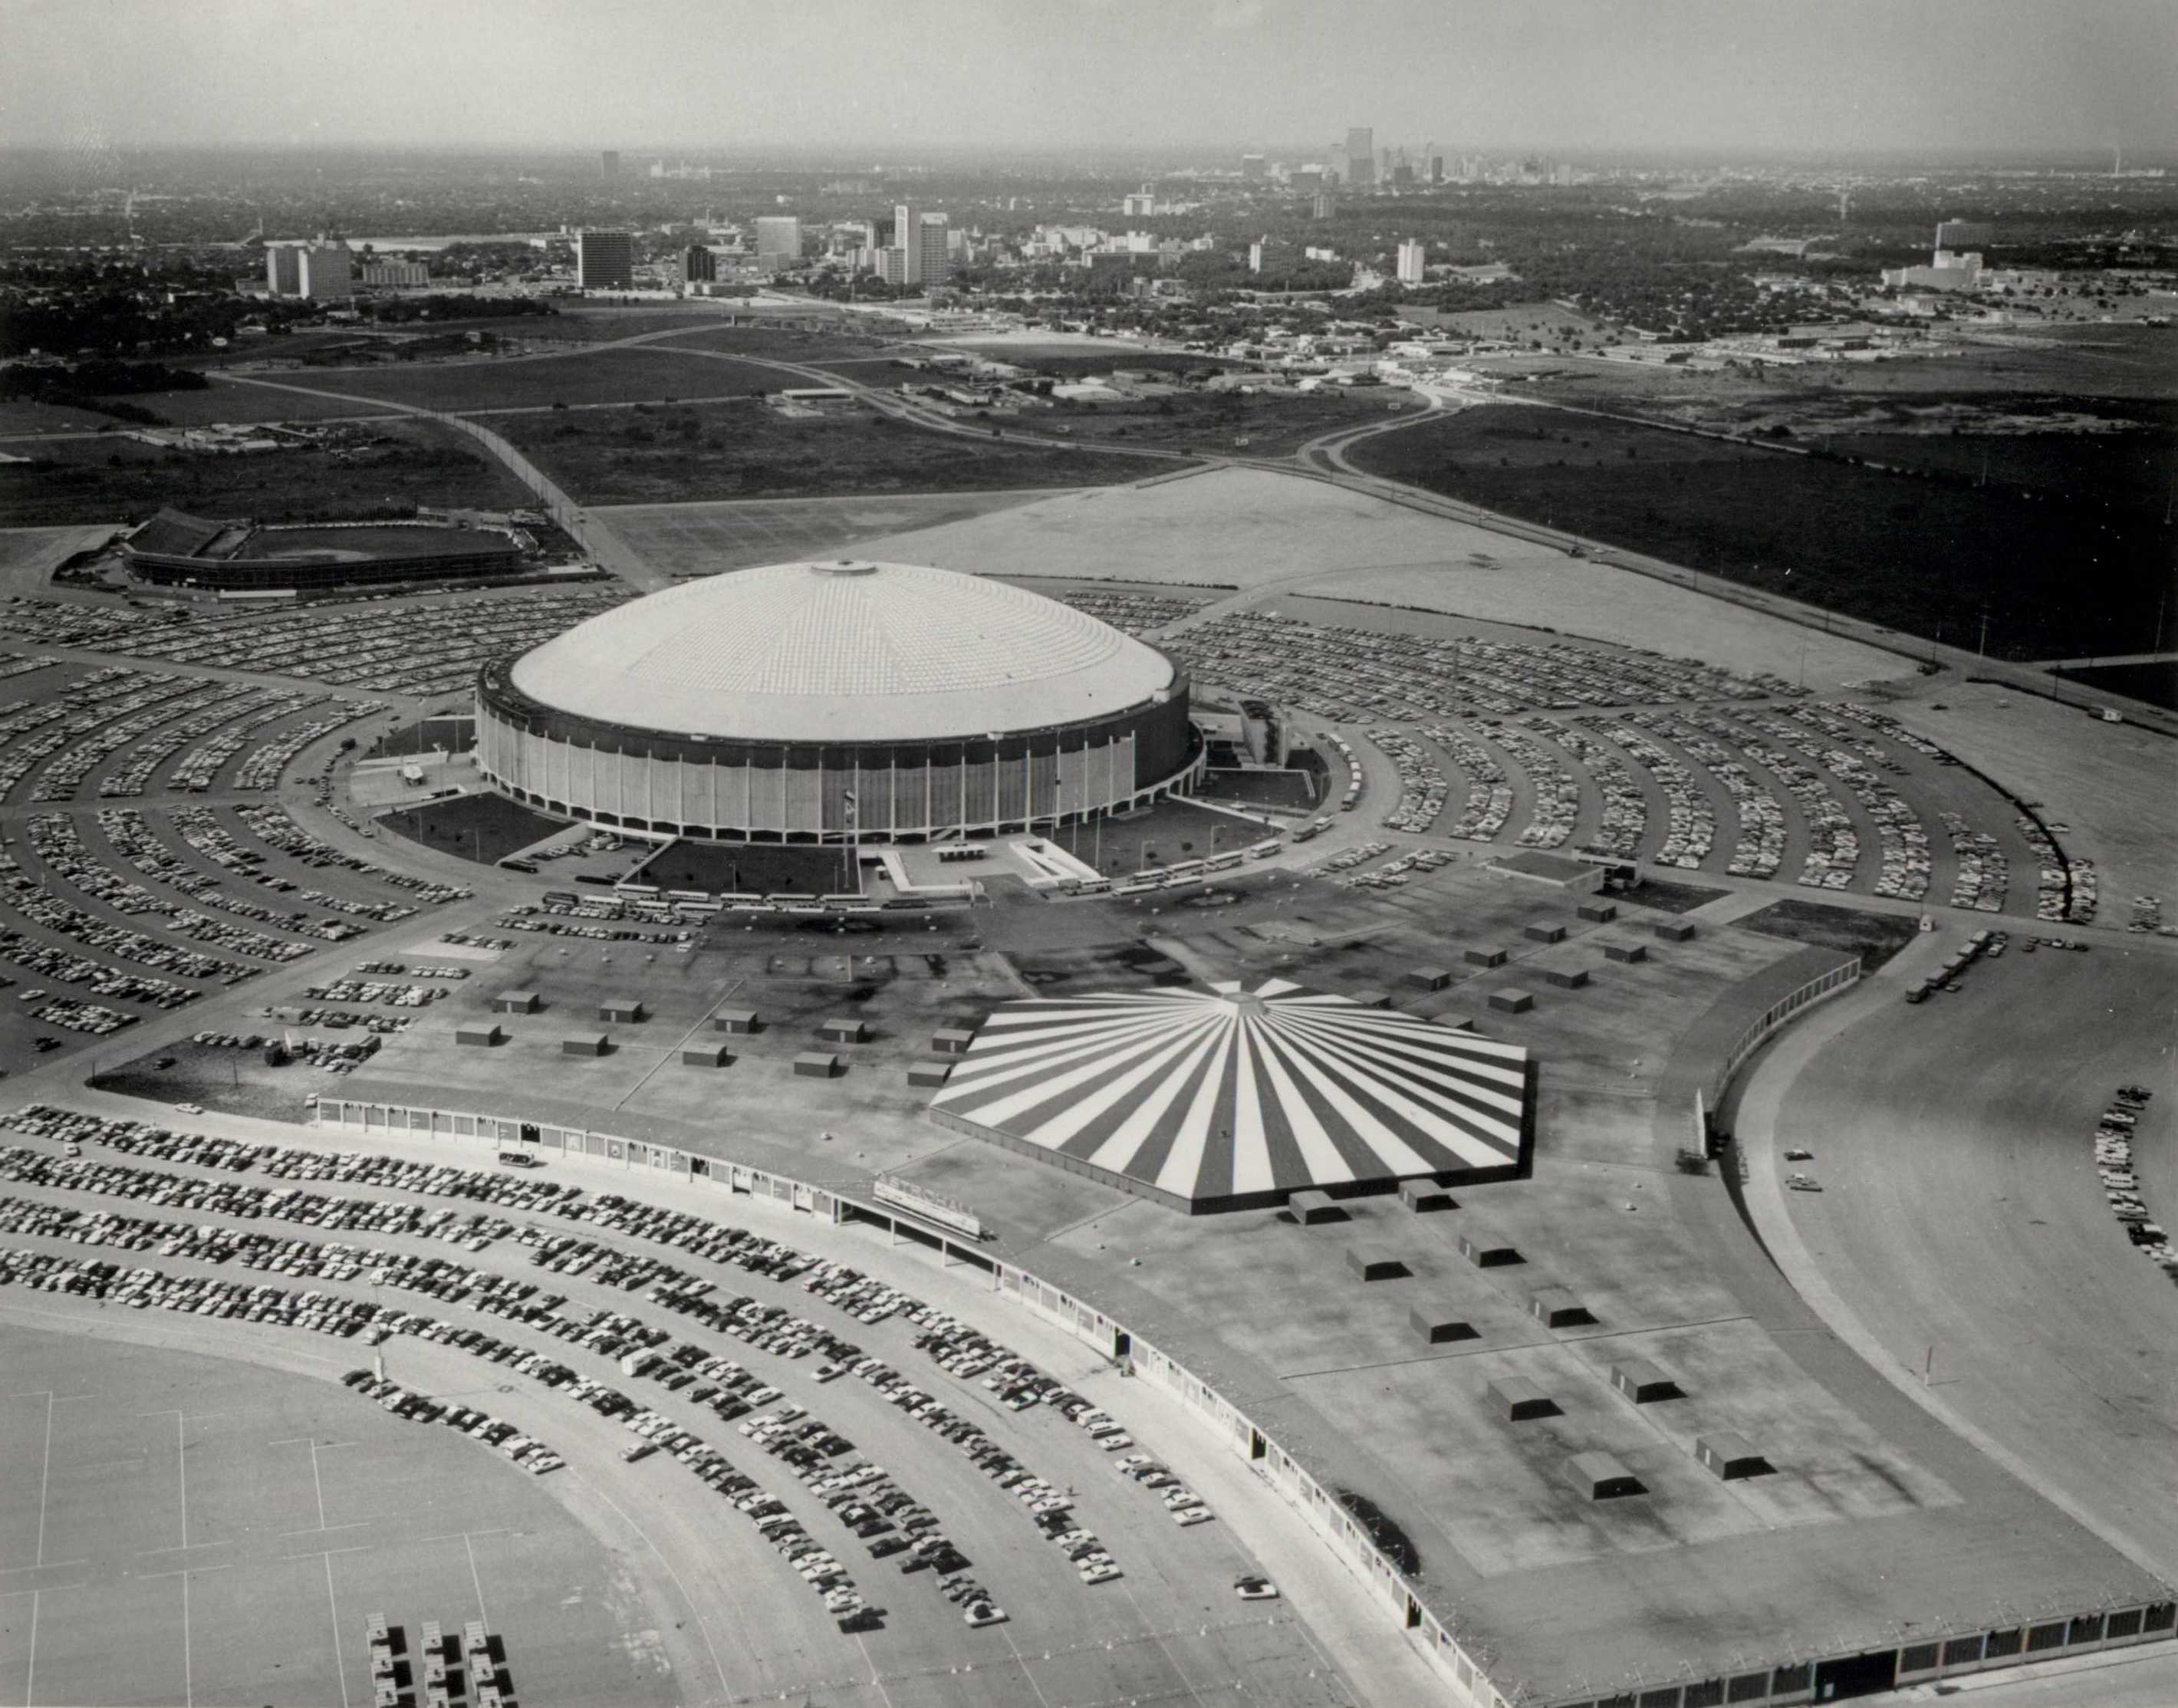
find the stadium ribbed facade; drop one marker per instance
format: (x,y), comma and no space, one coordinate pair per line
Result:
(809,703)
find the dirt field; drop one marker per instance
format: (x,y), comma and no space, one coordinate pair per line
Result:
(1255,531)
(745,450)
(1225,421)
(702,538)
(1920,555)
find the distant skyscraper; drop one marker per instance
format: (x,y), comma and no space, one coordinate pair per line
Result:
(698,266)
(1324,207)
(778,241)
(605,261)
(1362,155)
(1252,166)
(1962,234)
(323,272)
(1413,263)
(283,274)
(1256,250)
(1436,168)
(609,162)
(937,262)
(920,237)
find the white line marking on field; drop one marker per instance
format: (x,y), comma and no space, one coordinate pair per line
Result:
(470,1550)
(884,1694)
(45,1472)
(326,1530)
(188,1679)
(31,1673)
(318,1485)
(184,1572)
(182,1470)
(327,1553)
(340,1664)
(677,1584)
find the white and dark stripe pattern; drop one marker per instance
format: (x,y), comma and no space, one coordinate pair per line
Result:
(1203,1096)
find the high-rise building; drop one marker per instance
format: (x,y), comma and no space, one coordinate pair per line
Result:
(936,266)
(605,261)
(1142,205)
(1436,168)
(1413,262)
(698,266)
(778,241)
(1362,155)
(283,274)
(1252,166)
(323,272)
(609,162)
(1324,207)
(1962,234)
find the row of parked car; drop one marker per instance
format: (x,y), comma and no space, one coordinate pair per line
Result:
(532,1455)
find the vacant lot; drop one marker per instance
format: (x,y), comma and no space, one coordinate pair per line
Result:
(1915,553)
(397,466)
(643,374)
(1261,426)
(746,450)
(702,538)
(1874,936)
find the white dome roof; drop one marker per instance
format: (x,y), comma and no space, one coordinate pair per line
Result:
(851,651)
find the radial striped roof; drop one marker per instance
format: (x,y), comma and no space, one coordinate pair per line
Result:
(1205,1096)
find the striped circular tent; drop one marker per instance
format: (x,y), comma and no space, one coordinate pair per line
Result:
(1230,1098)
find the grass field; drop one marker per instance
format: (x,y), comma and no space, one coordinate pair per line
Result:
(746,450)
(405,463)
(1261,425)
(2155,683)
(645,373)
(482,827)
(1913,554)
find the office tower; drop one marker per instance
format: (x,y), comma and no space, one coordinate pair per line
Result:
(282,271)
(323,273)
(1256,252)
(1324,207)
(609,162)
(1362,155)
(936,266)
(698,266)
(1412,263)
(778,241)
(1436,168)
(605,261)
(1252,167)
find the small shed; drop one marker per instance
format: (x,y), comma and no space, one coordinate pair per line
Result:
(480,1034)
(517,1002)
(1563,977)
(1731,1456)
(929,1073)
(1440,1324)
(817,1065)
(1375,1263)
(1311,1207)
(1517,1400)
(1544,931)
(1483,957)
(625,1011)
(1488,1251)
(1556,1307)
(1598,912)
(1642,1383)
(843,1029)
(1626,953)
(1511,1000)
(735,1020)
(1674,930)
(1424,1196)
(952,1040)
(1604,1478)
(585,1043)
(1428,978)
(704,1055)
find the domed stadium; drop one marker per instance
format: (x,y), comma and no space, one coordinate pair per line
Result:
(813,702)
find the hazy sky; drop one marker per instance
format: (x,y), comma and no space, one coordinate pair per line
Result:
(1209,77)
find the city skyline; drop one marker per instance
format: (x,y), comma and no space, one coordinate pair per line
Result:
(1684,74)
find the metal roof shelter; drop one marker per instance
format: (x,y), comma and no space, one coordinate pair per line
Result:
(1230,1098)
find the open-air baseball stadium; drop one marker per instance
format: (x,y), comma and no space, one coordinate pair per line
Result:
(1241,1091)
